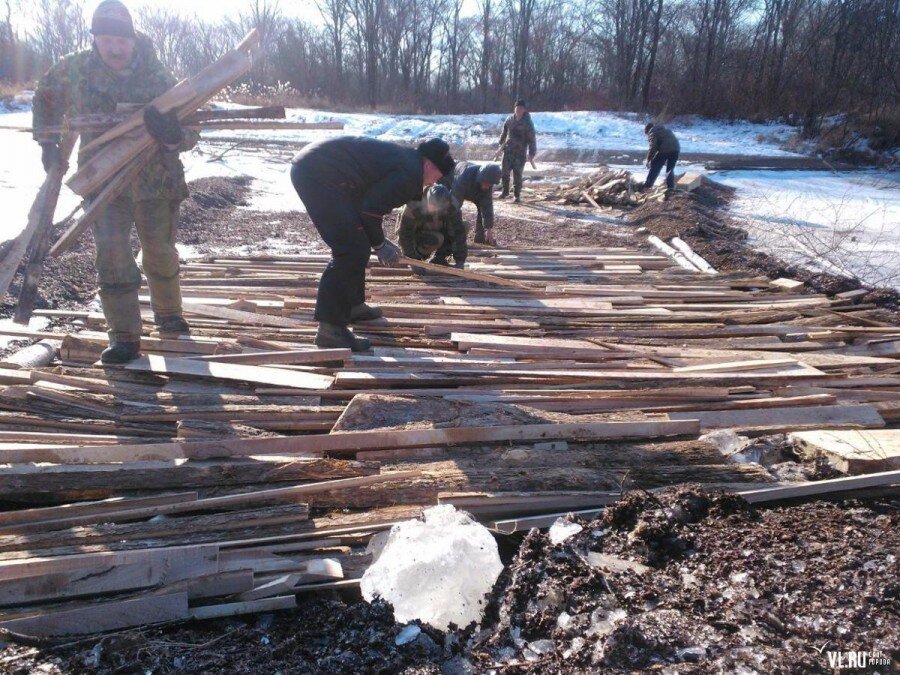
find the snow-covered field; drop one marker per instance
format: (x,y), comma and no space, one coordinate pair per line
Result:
(556,130)
(851,221)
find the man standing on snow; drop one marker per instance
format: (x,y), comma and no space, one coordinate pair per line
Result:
(664,149)
(474,183)
(518,144)
(429,230)
(121,67)
(348,184)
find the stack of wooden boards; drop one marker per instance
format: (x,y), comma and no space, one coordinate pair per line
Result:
(226,472)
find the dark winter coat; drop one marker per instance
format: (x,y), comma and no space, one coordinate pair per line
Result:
(378,176)
(464,186)
(662,141)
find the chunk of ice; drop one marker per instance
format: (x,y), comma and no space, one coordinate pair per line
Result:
(562,529)
(407,634)
(437,570)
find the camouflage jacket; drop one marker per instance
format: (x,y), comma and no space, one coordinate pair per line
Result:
(81,83)
(518,135)
(413,219)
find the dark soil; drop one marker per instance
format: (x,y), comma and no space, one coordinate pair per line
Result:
(716,586)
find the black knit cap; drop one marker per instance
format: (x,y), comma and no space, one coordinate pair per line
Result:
(112,18)
(438,152)
(520,102)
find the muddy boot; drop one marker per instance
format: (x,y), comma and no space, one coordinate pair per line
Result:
(331,336)
(364,312)
(172,325)
(121,352)
(479,236)
(517,200)
(440,261)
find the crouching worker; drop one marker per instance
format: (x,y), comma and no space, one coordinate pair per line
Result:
(122,67)
(348,184)
(428,230)
(474,183)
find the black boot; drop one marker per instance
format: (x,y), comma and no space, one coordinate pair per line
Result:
(479,236)
(173,325)
(331,336)
(364,312)
(121,352)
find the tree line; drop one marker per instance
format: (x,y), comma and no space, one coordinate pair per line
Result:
(736,58)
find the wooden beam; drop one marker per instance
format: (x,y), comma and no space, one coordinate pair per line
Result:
(853,451)
(234,372)
(463,274)
(348,443)
(100,617)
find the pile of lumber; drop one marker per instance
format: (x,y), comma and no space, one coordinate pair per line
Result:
(227,471)
(603,187)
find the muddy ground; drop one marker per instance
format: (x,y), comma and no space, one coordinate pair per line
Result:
(676,582)
(711,585)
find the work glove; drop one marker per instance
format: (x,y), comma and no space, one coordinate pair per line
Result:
(50,155)
(165,129)
(460,265)
(388,254)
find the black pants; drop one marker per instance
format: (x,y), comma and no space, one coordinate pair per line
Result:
(336,216)
(669,159)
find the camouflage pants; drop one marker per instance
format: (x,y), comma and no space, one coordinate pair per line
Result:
(513,161)
(118,275)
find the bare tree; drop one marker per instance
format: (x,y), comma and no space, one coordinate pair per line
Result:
(59,28)
(335,13)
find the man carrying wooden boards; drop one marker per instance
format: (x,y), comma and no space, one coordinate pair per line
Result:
(348,184)
(122,68)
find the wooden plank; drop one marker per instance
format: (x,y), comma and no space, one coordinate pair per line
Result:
(782,420)
(270,495)
(787,284)
(736,366)
(240,316)
(49,514)
(294,356)
(105,479)
(158,568)
(100,617)
(278,586)
(274,377)
(463,274)
(822,487)
(238,608)
(349,442)
(854,451)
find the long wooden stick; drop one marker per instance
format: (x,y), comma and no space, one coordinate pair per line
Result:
(40,244)
(40,222)
(464,274)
